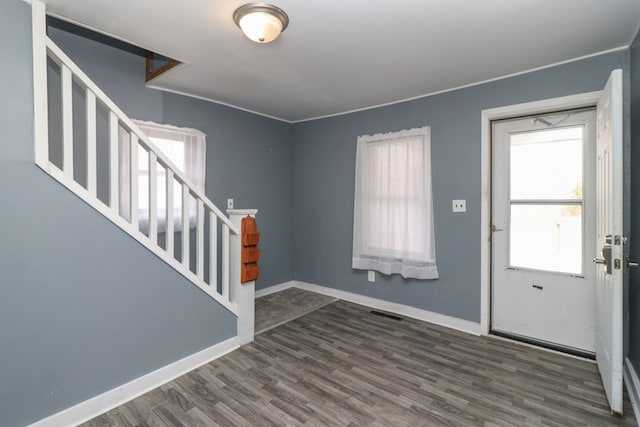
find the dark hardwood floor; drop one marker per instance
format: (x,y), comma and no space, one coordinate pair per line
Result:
(342,365)
(281,307)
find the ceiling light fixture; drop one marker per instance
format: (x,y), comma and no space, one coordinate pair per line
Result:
(261,22)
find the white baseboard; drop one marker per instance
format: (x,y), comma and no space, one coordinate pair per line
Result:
(632,382)
(401,309)
(275,288)
(104,402)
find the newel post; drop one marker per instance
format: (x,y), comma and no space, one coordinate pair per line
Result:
(242,294)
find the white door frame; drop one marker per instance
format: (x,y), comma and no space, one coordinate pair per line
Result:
(529,108)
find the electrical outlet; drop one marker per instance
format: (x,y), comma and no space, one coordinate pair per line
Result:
(229,203)
(371,276)
(459,205)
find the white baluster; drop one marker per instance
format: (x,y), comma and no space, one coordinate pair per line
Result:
(200,240)
(153,196)
(225,261)
(91,142)
(67,121)
(114,173)
(213,250)
(133,192)
(169,227)
(185,226)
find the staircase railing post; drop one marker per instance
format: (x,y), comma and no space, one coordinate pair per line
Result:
(243,295)
(40,97)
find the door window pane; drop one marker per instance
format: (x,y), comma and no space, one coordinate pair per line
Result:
(547,164)
(546,237)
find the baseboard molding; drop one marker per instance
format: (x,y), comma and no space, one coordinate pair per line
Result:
(632,382)
(104,402)
(275,288)
(401,309)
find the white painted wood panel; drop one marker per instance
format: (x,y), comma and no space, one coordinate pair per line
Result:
(213,251)
(225,261)
(169,234)
(153,197)
(114,161)
(200,240)
(40,94)
(185,225)
(91,142)
(67,120)
(610,223)
(133,177)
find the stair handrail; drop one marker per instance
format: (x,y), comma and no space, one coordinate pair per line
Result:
(60,58)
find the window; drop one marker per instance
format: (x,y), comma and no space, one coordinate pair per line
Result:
(546,213)
(185,148)
(393,212)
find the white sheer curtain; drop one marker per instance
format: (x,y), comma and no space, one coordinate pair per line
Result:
(393,207)
(186,148)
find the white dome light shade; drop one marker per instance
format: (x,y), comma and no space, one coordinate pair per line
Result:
(261,27)
(261,22)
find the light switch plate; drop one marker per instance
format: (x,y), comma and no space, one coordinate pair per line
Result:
(229,203)
(371,276)
(459,205)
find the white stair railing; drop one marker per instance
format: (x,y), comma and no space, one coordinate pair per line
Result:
(95,100)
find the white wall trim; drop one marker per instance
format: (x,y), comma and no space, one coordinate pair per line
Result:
(275,288)
(401,309)
(536,107)
(632,382)
(104,402)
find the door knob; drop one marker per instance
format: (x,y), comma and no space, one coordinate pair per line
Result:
(606,259)
(605,262)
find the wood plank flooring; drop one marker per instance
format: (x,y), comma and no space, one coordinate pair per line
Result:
(344,366)
(281,307)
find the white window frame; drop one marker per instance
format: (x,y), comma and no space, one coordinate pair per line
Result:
(193,166)
(386,240)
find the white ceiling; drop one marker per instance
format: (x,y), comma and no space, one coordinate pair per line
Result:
(344,55)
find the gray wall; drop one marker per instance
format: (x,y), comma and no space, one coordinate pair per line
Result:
(83,307)
(78,318)
(634,274)
(323,171)
(248,156)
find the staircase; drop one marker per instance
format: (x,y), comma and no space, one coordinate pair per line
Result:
(207,254)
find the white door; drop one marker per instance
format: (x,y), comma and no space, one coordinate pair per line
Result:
(543,220)
(610,271)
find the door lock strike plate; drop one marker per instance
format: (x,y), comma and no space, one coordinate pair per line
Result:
(616,264)
(617,240)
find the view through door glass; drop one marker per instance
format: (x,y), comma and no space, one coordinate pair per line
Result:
(546,205)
